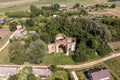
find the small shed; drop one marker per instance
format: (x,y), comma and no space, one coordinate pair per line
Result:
(1,21)
(42,72)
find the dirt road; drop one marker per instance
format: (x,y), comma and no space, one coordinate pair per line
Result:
(84,65)
(100,1)
(14,3)
(114,12)
(6,44)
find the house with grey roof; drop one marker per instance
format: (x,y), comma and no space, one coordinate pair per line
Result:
(18,35)
(103,74)
(42,72)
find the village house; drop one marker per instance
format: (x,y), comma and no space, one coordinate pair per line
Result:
(42,72)
(20,33)
(102,74)
(5,72)
(61,41)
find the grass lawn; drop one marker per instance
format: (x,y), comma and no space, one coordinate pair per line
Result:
(57,59)
(81,75)
(114,66)
(4,59)
(8,0)
(85,2)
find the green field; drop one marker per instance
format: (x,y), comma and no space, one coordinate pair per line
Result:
(47,2)
(85,2)
(7,0)
(57,59)
(114,66)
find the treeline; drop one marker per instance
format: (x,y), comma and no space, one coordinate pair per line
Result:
(114,27)
(19,14)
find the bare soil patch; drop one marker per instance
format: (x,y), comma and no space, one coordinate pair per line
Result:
(4,33)
(114,45)
(100,1)
(114,11)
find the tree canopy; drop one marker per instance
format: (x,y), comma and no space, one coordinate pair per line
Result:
(36,51)
(13,26)
(16,53)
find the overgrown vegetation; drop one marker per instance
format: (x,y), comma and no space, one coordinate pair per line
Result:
(91,36)
(16,53)
(59,73)
(114,66)
(24,74)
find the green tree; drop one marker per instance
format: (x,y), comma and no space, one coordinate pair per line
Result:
(24,72)
(36,51)
(33,8)
(13,77)
(30,23)
(13,26)
(16,53)
(53,68)
(31,77)
(77,5)
(56,6)
(34,11)
(113,5)
(103,49)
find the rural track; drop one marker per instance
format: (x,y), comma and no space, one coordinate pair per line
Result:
(6,44)
(84,65)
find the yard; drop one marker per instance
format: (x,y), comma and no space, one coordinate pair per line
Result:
(4,59)
(114,66)
(48,59)
(57,59)
(81,72)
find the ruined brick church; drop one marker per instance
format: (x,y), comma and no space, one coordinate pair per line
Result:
(67,44)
